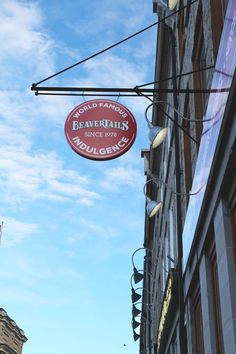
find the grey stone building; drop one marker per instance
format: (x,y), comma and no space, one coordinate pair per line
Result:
(189,285)
(12,337)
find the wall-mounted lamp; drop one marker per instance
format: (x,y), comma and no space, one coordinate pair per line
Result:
(136,336)
(135,311)
(158,134)
(135,296)
(170,4)
(138,276)
(153,207)
(135,324)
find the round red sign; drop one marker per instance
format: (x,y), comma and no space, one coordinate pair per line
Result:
(100,129)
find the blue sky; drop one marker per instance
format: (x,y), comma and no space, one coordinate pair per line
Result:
(70,224)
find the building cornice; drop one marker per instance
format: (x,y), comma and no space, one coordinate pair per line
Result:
(12,325)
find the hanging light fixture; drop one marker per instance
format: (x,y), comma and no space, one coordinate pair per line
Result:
(135,296)
(136,311)
(137,276)
(152,206)
(136,336)
(170,4)
(135,324)
(156,133)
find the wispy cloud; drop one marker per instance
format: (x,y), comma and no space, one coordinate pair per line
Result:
(30,176)
(16,231)
(61,224)
(104,229)
(21,25)
(125,174)
(112,70)
(121,176)
(28,173)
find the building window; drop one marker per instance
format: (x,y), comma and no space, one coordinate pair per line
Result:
(197,328)
(216,301)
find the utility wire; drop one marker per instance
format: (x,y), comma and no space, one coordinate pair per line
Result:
(113,45)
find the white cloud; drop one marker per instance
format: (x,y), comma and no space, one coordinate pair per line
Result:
(21,25)
(16,231)
(102,229)
(16,117)
(43,181)
(115,71)
(30,176)
(27,172)
(120,176)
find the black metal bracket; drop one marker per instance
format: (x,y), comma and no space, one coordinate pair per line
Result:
(114,91)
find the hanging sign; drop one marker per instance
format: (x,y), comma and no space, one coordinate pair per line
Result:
(100,129)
